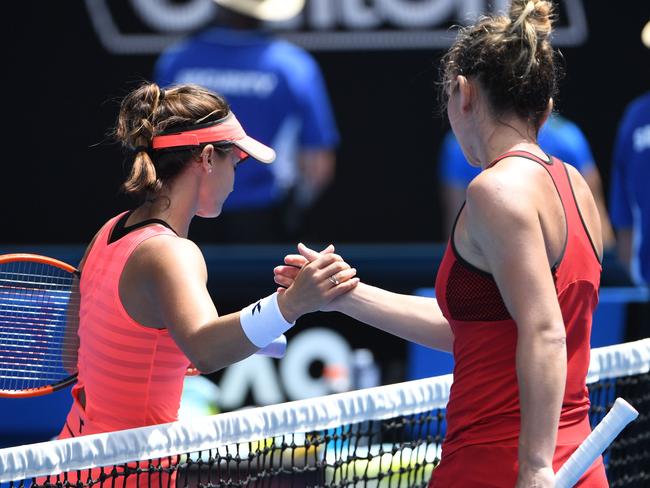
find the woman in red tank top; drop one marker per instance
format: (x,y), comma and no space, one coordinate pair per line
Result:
(146,313)
(519,280)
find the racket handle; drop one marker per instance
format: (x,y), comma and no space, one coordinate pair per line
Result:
(621,414)
(275,349)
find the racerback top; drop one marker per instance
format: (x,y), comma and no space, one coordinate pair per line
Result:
(132,375)
(484,398)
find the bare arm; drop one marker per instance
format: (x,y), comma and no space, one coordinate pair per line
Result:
(504,224)
(174,275)
(416,319)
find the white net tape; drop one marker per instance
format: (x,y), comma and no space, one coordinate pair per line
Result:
(326,412)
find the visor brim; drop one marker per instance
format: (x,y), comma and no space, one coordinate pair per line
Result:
(255,149)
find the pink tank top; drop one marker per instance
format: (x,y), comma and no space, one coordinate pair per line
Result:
(132,375)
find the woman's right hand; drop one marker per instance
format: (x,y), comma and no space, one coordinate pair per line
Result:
(310,281)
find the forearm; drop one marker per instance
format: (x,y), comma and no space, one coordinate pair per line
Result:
(541,375)
(416,319)
(217,344)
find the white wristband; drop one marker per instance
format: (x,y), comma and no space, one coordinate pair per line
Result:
(263,322)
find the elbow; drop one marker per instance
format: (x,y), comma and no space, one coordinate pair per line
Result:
(202,360)
(212,360)
(550,333)
(554,336)
(211,349)
(207,367)
(207,364)
(199,362)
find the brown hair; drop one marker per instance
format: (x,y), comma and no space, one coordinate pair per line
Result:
(512,58)
(148,111)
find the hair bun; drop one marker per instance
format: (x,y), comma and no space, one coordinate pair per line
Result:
(538,14)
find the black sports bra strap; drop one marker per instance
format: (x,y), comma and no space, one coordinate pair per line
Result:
(121,229)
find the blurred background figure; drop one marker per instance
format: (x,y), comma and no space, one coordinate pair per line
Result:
(558,136)
(278,93)
(629,196)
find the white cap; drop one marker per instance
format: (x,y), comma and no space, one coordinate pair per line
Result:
(271,10)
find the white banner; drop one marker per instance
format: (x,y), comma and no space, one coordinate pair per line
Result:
(332,25)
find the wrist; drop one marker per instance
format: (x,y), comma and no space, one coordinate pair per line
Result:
(538,476)
(345,303)
(262,321)
(533,462)
(289,312)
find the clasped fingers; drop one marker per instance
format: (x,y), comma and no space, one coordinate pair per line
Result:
(335,273)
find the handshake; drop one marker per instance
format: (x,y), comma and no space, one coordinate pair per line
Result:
(311,281)
(308,282)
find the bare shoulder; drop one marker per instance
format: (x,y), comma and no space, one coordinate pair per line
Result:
(168,256)
(579,184)
(503,191)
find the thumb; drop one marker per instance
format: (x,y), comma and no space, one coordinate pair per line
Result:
(308,253)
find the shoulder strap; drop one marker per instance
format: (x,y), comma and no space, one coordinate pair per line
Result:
(522,154)
(560,176)
(120,229)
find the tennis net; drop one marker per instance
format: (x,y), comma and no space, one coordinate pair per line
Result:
(387,436)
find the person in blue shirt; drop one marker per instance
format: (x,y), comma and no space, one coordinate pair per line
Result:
(278,93)
(629,195)
(558,136)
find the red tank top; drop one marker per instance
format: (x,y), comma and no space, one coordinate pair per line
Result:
(484,399)
(132,375)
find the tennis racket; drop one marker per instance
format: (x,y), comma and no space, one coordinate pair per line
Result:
(39,318)
(621,414)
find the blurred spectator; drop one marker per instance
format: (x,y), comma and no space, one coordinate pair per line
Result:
(279,95)
(629,195)
(559,137)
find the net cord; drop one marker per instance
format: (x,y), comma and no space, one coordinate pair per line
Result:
(192,435)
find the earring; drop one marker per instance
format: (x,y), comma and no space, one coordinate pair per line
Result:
(210,170)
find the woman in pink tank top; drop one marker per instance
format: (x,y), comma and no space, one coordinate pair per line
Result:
(146,314)
(519,280)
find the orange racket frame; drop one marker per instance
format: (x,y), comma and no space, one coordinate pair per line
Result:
(67,381)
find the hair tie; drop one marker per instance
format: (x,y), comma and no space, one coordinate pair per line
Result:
(139,149)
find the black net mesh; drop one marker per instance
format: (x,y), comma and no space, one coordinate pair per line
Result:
(628,458)
(398,452)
